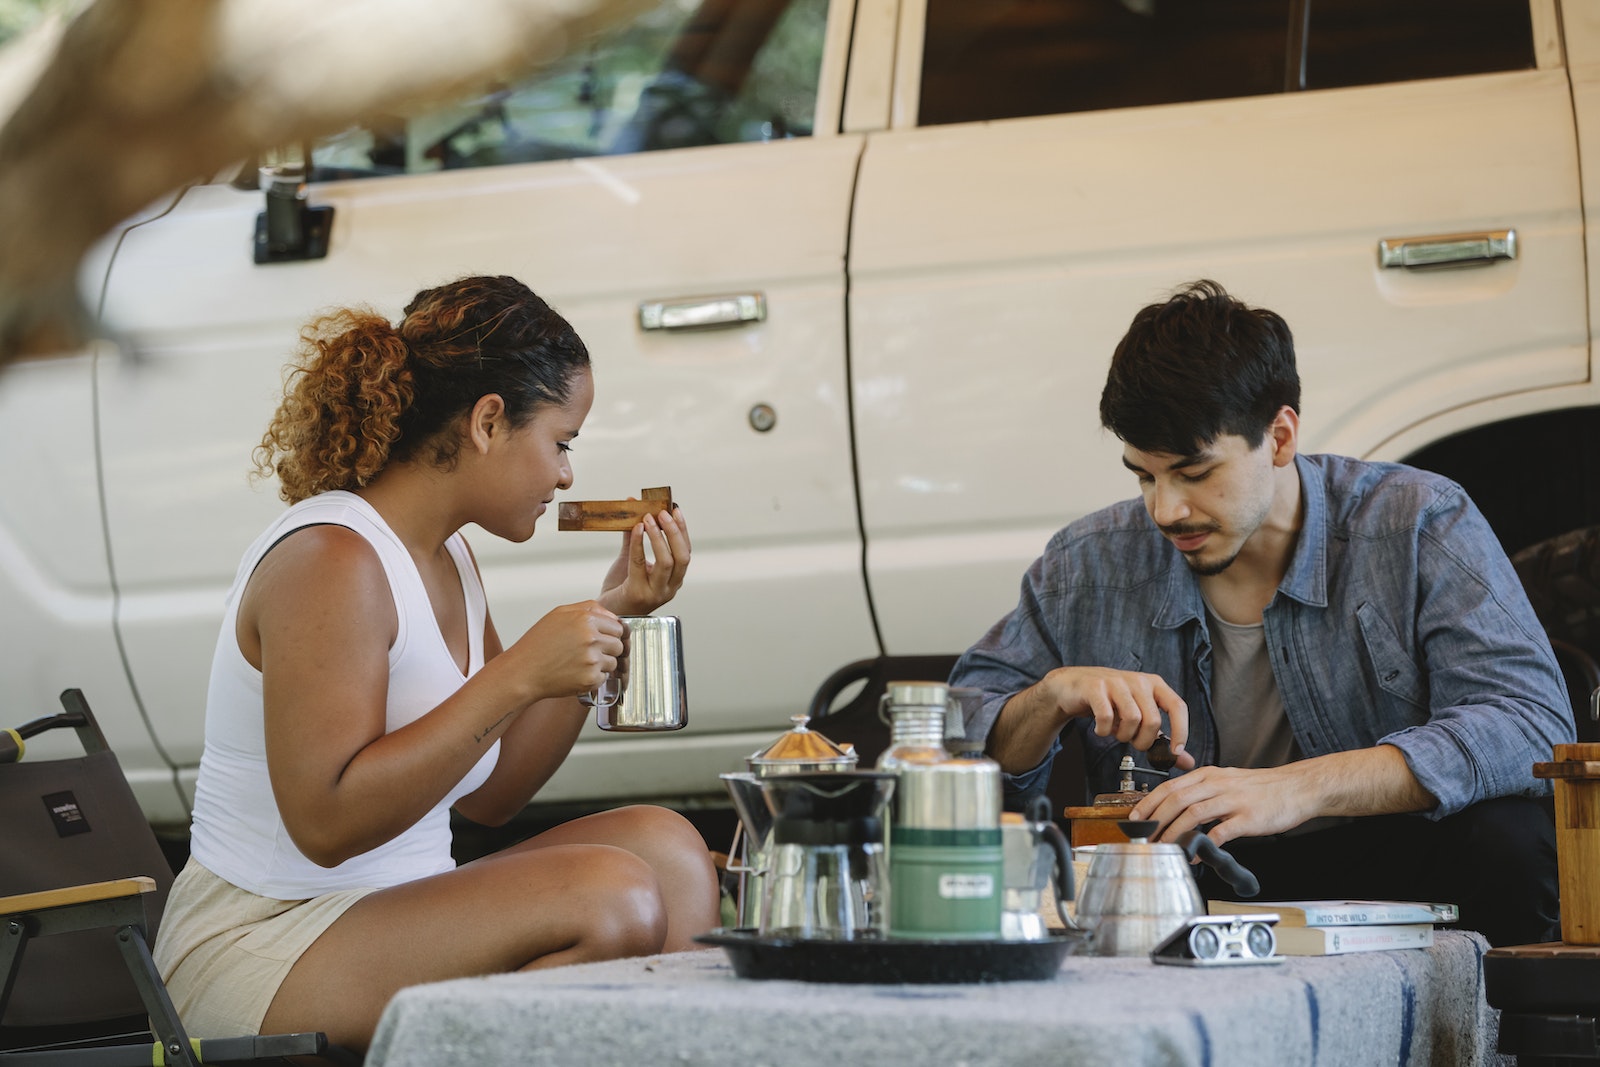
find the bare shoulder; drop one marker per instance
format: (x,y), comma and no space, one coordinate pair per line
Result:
(324,570)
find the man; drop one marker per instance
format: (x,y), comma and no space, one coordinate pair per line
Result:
(1355,686)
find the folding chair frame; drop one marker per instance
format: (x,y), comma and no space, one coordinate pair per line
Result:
(119,905)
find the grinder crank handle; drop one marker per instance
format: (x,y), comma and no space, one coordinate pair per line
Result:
(1194,843)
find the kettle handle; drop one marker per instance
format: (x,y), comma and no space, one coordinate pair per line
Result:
(1038,813)
(1194,843)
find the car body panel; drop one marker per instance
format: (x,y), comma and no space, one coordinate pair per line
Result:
(772,513)
(981,334)
(940,306)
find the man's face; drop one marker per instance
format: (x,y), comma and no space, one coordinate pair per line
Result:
(1210,503)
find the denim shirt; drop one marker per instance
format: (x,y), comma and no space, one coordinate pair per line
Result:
(1400,621)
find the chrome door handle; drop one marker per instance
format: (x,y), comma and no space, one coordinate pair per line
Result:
(697,313)
(1447,250)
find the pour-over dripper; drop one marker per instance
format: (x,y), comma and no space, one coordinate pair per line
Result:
(754,815)
(832,796)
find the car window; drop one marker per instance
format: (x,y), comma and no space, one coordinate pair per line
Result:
(1360,42)
(1012,58)
(685,73)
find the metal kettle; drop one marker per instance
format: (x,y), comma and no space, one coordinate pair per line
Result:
(1135,894)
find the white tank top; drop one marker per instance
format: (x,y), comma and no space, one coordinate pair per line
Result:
(238,833)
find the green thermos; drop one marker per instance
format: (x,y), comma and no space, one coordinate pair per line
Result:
(946,864)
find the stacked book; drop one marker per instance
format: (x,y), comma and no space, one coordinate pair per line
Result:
(1332,927)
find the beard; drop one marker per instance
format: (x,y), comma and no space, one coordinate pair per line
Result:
(1209,569)
(1202,568)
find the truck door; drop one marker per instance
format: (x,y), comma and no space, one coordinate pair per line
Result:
(679,191)
(1403,189)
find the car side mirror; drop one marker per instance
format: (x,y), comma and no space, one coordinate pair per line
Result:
(290,228)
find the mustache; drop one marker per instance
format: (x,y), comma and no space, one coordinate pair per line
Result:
(1189,531)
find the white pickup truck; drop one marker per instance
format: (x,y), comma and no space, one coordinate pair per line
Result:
(851,272)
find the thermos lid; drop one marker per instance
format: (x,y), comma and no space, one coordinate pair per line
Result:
(923,694)
(801,749)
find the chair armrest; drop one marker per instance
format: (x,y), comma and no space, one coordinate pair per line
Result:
(77,894)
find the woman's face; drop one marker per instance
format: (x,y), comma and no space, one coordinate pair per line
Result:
(534,462)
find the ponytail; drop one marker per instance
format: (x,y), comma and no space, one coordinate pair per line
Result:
(364,393)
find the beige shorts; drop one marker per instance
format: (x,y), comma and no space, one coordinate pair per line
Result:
(224,952)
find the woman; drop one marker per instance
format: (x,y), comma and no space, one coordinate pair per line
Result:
(359,691)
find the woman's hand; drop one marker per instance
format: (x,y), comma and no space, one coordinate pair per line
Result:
(569,651)
(636,585)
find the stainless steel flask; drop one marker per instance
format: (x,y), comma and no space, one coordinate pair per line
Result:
(946,863)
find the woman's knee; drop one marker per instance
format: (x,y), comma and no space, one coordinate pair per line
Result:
(627,916)
(651,823)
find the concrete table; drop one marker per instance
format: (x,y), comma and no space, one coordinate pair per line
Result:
(1418,1006)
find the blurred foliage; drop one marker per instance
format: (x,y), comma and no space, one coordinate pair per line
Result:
(18,16)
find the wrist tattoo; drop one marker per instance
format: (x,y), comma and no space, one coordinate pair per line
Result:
(491,728)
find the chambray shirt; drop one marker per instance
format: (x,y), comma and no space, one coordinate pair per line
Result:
(1400,622)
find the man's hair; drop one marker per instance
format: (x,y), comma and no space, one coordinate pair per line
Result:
(1196,366)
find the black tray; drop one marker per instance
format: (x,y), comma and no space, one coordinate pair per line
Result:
(892,960)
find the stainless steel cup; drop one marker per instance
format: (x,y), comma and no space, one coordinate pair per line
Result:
(646,692)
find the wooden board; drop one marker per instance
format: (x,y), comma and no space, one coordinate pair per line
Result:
(1550,950)
(613,515)
(1568,769)
(1578,857)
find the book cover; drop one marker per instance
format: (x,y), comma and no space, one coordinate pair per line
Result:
(1341,912)
(1337,940)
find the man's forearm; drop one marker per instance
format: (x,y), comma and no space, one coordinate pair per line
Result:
(1024,731)
(1367,781)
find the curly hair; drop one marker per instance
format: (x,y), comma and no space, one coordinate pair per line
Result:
(364,393)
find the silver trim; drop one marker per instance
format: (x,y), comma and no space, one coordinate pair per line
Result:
(1447,250)
(698,313)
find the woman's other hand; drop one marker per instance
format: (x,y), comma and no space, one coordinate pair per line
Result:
(637,585)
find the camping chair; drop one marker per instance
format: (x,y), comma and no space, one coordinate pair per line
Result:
(1582,675)
(856,720)
(85,881)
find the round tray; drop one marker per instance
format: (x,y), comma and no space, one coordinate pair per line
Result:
(892,960)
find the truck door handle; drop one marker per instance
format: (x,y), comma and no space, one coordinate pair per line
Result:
(700,312)
(1447,250)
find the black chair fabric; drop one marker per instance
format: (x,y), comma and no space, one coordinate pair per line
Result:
(73,1000)
(1582,674)
(70,822)
(857,722)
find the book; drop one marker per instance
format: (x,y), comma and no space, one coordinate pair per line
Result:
(1337,940)
(1341,912)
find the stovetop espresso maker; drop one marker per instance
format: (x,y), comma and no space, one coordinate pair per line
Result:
(799,750)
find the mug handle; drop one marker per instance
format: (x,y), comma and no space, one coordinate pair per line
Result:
(606,695)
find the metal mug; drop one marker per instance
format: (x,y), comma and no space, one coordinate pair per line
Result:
(647,691)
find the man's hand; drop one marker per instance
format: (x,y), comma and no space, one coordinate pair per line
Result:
(1124,704)
(1242,803)
(1270,800)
